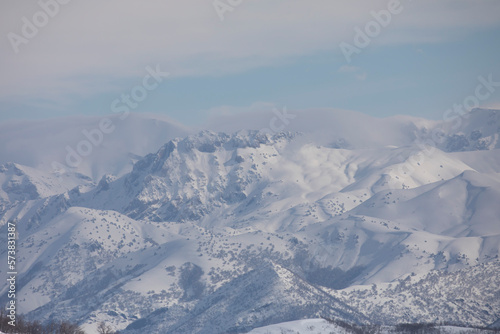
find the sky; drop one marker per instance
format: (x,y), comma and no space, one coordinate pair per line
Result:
(197,59)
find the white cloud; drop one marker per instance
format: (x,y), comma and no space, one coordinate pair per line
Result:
(90,44)
(233,110)
(491,105)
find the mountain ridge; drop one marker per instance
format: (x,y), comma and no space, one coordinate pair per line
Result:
(211,211)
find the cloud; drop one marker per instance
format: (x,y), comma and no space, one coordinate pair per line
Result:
(491,105)
(233,110)
(89,46)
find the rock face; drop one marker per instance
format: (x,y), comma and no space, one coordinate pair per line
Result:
(187,179)
(219,232)
(477,130)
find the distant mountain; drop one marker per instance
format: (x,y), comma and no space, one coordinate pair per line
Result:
(78,144)
(477,130)
(225,232)
(51,145)
(21,183)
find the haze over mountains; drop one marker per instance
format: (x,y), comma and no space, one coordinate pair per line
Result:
(256,219)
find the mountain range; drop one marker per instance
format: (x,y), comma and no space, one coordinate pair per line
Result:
(244,224)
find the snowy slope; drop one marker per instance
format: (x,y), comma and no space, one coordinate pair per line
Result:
(468,296)
(476,130)
(21,183)
(188,178)
(321,326)
(230,231)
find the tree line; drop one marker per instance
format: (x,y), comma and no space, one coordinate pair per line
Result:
(53,327)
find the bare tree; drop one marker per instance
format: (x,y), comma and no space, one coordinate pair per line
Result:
(103,328)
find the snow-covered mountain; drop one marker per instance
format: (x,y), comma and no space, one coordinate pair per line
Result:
(343,217)
(323,326)
(21,183)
